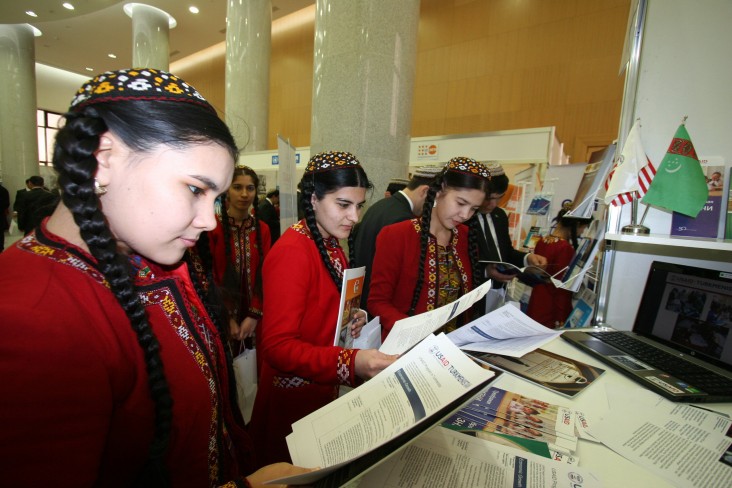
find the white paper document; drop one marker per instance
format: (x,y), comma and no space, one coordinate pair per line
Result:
(678,442)
(370,337)
(445,458)
(506,331)
(409,331)
(432,375)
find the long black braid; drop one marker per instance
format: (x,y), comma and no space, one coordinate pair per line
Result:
(308,189)
(76,165)
(200,268)
(141,125)
(424,236)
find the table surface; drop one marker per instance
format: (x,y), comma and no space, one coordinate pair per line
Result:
(613,470)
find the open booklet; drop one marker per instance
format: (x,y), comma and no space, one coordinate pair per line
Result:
(351,290)
(415,392)
(528,275)
(506,331)
(409,331)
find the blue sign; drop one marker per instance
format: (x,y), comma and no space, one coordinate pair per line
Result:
(276,159)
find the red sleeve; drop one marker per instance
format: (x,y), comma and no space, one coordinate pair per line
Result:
(385,278)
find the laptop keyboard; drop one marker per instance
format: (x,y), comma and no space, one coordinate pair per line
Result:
(695,375)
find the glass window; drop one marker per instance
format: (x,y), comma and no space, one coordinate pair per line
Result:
(48,125)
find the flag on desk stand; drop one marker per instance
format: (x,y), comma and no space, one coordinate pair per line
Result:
(679,184)
(633,171)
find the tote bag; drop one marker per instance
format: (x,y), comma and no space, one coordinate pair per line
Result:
(245,370)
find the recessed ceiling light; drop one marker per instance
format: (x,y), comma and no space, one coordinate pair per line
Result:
(68,6)
(111,55)
(89,69)
(193,10)
(31,13)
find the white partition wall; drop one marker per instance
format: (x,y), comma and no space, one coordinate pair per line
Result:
(684,70)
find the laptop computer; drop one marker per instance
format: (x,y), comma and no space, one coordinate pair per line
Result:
(681,343)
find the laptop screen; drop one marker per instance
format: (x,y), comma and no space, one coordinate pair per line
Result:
(689,309)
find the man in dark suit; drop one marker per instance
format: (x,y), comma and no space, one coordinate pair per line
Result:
(36,204)
(20,194)
(267,213)
(495,242)
(402,205)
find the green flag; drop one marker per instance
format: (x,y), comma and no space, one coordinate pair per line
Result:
(679,184)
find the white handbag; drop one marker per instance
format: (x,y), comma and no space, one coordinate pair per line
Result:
(245,370)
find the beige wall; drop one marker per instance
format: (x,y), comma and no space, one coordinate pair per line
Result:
(483,65)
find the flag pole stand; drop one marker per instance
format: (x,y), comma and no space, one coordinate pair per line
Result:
(635,228)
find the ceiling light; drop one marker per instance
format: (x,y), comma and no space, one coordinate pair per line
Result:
(68,6)
(111,55)
(31,13)
(89,69)
(193,10)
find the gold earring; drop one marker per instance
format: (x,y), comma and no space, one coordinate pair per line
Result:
(99,189)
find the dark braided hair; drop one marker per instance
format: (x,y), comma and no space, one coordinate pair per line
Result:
(141,125)
(232,282)
(320,183)
(200,269)
(448,178)
(572,224)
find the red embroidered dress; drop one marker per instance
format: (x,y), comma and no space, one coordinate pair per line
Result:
(76,408)
(245,257)
(447,273)
(548,304)
(301,368)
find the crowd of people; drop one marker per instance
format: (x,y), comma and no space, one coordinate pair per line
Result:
(125,303)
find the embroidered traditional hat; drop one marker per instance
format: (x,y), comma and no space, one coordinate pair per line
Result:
(429,171)
(399,181)
(327,161)
(136,84)
(494,168)
(468,166)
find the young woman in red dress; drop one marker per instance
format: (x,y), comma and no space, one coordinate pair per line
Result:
(549,305)
(301,368)
(113,372)
(239,244)
(424,263)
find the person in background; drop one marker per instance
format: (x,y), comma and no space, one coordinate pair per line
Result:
(395,185)
(268,210)
(424,263)
(549,305)
(301,368)
(403,205)
(4,214)
(239,244)
(494,239)
(113,373)
(36,204)
(19,196)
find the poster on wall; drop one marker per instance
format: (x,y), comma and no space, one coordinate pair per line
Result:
(428,152)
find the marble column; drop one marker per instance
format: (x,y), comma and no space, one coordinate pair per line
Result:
(248,48)
(364,68)
(18,133)
(150,36)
